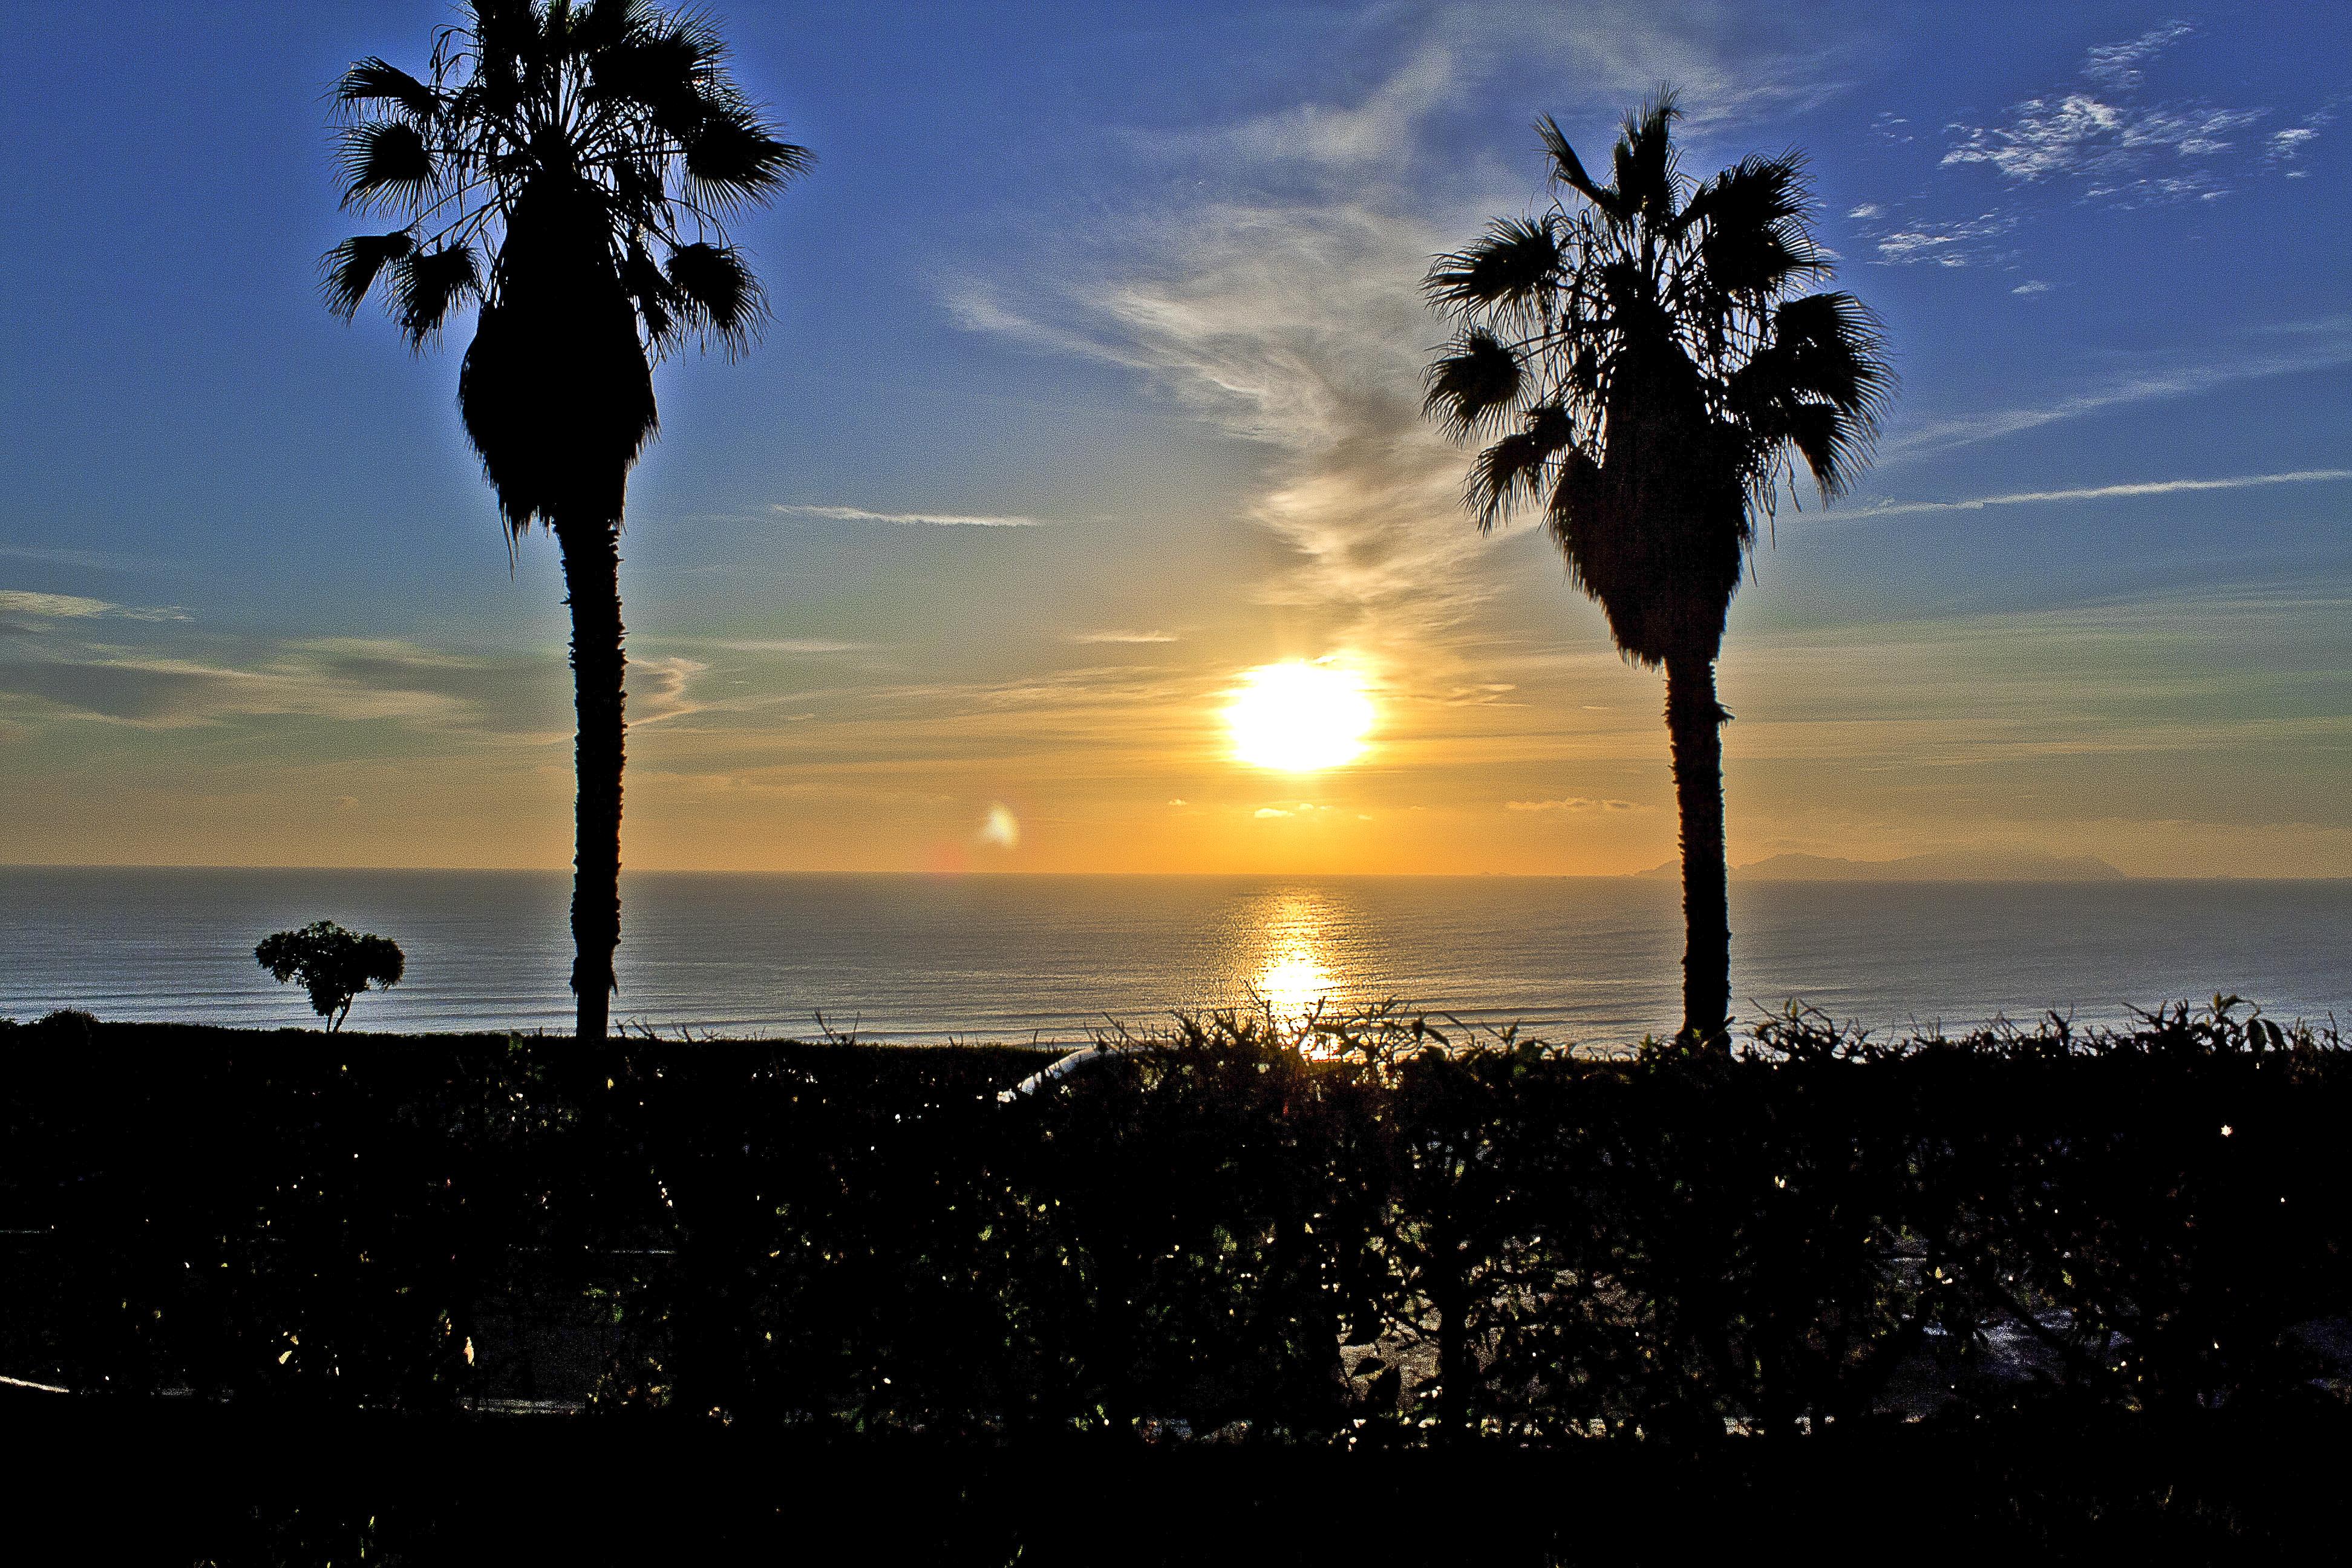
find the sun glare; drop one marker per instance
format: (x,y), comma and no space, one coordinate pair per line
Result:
(1299,718)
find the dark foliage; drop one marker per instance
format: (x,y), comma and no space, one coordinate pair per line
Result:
(1387,1238)
(239,1487)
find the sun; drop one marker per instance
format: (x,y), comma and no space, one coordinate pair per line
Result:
(1299,718)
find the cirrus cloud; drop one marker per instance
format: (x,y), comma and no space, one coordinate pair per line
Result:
(2119,148)
(1573,803)
(74,607)
(928,518)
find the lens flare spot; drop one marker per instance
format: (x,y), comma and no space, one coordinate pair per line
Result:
(1298,716)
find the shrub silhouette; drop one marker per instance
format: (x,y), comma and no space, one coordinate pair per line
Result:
(1397,1236)
(331,963)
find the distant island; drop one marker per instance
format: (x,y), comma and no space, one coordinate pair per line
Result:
(1945,866)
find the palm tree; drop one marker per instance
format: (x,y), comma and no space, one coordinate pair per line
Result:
(569,169)
(1641,369)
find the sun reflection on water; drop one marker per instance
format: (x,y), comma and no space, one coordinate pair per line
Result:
(1294,978)
(1294,981)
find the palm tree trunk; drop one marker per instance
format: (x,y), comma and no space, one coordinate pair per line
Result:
(1695,727)
(592,580)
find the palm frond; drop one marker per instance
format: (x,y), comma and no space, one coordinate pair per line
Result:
(673,65)
(1832,347)
(349,271)
(1817,388)
(653,69)
(508,45)
(1511,471)
(1645,159)
(374,80)
(1755,237)
(1623,286)
(1516,260)
(694,33)
(655,297)
(1580,520)
(428,285)
(639,181)
(604,24)
(1758,190)
(1568,170)
(731,158)
(717,295)
(385,163)
(1479,377)
(1830,446)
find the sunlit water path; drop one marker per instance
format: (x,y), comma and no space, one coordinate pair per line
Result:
(1000,958)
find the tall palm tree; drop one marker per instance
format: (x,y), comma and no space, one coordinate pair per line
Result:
(569,169)
(1641,369)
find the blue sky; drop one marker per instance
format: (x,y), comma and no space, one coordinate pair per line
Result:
(1138,283)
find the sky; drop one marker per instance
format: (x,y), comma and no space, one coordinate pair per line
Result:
(1092,385)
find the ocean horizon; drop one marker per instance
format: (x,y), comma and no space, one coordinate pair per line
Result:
(1057,957)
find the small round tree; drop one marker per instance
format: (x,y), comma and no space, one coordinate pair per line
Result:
(331,963)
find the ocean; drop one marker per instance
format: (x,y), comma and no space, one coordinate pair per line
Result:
(1015,958)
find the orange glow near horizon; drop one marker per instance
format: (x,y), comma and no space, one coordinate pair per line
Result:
(1298,716)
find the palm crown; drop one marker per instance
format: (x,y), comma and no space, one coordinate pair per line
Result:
(1649,375)
(571,168)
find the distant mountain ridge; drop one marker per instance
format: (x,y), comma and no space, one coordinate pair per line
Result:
(1943,866)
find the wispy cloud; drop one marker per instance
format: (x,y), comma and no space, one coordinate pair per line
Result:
(1572,803)
(2290,143)
(1947,242)
(931,518)
(2327,345)
(2117,65)
(811,646)
(1278,299)
(2287,144)
(344,678)
(659,688)
(73,606)
(2215,669)
(1614,52)
(1372,130)
(2096,140)
(2102,492)
(1115,637)
(1303,329)
(1299,327)
(2119,148)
